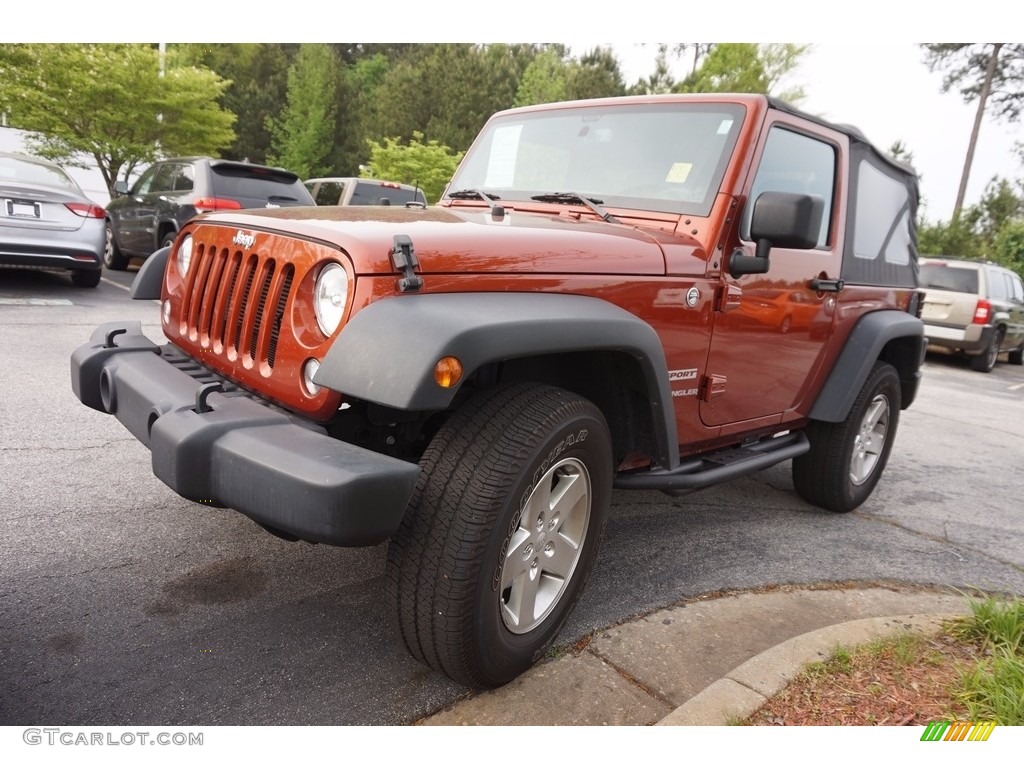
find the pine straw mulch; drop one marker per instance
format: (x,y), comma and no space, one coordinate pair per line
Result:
(910,680)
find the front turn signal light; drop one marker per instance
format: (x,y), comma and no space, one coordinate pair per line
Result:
(448,372)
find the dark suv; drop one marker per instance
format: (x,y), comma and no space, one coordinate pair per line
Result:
(172,191)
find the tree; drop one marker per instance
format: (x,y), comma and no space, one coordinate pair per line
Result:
(302,139)
(258,89)
(745,68)
(543,80)
(429,165)
(596,75)
(111,103)
(980,71)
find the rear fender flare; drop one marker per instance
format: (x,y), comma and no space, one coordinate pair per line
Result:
(866,344)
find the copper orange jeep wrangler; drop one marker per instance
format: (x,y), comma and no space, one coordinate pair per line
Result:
(636,293)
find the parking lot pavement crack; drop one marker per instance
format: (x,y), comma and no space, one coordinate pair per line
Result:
(101,446)
(657,695)
(952,547)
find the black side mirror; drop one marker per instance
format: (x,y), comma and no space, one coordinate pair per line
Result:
(779,220)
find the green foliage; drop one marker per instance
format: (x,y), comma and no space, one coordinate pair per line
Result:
(258,75)
(429,165)
(993,687)
(543,80)
(302,139)
(745,68)
(992,229)
(596,75)
(111,103)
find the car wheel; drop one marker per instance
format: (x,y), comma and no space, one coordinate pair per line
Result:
(986,361)
(501,531)
(784,326)
(1016,357)
(112,256)
(847,458)
(168,240)
(86,278)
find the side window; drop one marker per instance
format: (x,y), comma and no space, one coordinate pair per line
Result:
(996,284)
(330,193)
(792,162)
(184,178)
(883,217)
(1018,288)
(145,182)
(164,181)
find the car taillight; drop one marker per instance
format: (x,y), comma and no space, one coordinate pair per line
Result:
(983,312)
(207,204)
(85,210)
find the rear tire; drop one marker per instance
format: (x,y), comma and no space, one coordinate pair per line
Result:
(86,278)
(501,531)
(986,361)
(847,458)
(112,256)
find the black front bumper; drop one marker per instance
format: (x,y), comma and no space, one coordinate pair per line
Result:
(234,451)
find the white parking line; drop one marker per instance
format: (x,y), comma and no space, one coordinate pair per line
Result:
(1015,387)
(108,281)
(37,302)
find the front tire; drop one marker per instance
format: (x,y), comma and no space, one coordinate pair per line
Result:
(846,459)
(501,532)
(1016,356)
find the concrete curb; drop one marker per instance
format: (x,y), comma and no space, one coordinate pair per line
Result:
(748,686)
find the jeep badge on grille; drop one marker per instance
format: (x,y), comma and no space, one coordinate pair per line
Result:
(244,240)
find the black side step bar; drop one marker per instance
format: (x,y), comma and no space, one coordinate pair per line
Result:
(716,467)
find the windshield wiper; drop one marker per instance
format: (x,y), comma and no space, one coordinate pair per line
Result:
(571,197)
(469,194)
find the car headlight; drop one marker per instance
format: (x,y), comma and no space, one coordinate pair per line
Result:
(329,296)
(184,256)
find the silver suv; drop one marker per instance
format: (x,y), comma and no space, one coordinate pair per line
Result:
(975,308)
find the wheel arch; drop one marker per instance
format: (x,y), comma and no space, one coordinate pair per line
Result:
(892,336)
(580,343)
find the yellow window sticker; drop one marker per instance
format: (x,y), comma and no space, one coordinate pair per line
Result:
(679,172)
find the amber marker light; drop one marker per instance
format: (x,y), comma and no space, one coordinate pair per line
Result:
(448,372)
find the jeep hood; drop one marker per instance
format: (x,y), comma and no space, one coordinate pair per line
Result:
(467,241)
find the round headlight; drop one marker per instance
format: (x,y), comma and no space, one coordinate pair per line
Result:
(184,257)
(329,297)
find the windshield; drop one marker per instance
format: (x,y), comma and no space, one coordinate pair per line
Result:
(658,157)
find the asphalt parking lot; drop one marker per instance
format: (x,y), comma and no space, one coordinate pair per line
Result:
(122,603)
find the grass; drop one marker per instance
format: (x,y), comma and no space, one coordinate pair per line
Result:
(993,687)
(972,670)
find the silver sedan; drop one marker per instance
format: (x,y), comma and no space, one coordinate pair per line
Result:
(47,221)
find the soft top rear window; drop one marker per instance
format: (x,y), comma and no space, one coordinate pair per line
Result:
(941,277)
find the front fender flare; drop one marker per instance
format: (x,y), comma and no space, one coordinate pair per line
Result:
(387,352)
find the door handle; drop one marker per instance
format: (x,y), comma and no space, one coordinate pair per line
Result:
(822,285)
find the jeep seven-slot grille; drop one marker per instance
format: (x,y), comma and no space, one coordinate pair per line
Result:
(236,302)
